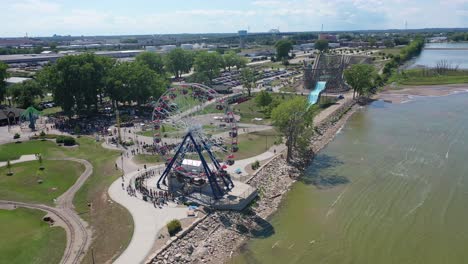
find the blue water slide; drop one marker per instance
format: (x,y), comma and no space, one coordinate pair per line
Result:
(314,95)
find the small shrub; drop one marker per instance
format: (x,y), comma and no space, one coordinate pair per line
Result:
(66,140)
(173,227)
(255,165)
(42,134)
(16,136)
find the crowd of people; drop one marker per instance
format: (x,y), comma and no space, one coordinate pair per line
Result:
(91,125)
(157,197)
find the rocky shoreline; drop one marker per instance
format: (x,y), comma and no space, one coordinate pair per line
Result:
(219,236)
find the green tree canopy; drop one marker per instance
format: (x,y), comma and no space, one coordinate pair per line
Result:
(283,47)
(134,82)
(3,76)
(361,78)
(179,61)
(77,81)
(293,118)
(321,45)
(248,79)
(231,59)
(263,99)
(23,94)
(154,61)
(208,65)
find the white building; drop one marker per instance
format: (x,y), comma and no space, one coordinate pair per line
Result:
(15,80)
(187,46)
(150,48)
(167,48)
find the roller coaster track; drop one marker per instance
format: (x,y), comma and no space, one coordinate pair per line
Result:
(78,235)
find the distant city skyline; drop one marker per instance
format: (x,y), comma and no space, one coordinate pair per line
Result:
(106,17)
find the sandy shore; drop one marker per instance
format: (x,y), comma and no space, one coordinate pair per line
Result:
(407,92)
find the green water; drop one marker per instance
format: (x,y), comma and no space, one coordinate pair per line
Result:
(407,201)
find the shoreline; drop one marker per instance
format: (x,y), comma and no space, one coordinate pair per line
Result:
(407,93)
(219,237)
(223,233)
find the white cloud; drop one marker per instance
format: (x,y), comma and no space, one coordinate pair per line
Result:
(38,6)
(46,17)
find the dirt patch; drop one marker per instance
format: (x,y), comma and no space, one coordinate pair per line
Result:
(406,93)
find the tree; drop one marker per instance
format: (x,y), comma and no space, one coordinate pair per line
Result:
(248,79)
(24,94)
(154,61)
(208,64)
(3,76)
(321,45)
(361,78)
(179,61)
(8,165)
(231,59)
(293,118)
(39,159)
(263,99)
(78,81)
(283,47)
(134,82)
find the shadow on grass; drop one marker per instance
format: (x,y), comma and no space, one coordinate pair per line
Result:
(316,174)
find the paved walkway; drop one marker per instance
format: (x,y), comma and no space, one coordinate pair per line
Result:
(23,158)
(329,110)
(148,221)
(243,164)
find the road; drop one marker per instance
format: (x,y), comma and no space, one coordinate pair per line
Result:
(78,235)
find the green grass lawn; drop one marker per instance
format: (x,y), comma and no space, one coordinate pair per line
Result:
(388,51)
(147,159)
(15,150)
(249,110)
(52,110)
(112,224)
(253,144)
(22,186)
(25,238)
(420,77)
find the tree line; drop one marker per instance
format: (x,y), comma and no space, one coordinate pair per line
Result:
(80,84)
(413,49)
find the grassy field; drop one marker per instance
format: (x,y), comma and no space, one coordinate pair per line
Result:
(393,51)
(249,110)
(112,224)
(418,77)
(51,111)
(22,186)
(25,238)
(253,144)
(147,159)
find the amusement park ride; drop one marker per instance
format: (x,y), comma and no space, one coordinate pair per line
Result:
(196,162)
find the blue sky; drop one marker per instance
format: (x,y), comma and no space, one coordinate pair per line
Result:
(106,17)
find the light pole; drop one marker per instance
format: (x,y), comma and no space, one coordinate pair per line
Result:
(121,158)
(90,205)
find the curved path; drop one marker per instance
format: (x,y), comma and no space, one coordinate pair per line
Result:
(148,221)
(78,235)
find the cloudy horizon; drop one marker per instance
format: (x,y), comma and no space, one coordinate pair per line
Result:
(87,17)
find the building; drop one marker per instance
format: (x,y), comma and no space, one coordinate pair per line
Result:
(150,48)
(16,80)
(186,46)
(9,115)
(168,48)
(330,38)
